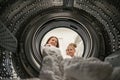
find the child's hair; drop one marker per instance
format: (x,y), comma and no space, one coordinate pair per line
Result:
(73,45)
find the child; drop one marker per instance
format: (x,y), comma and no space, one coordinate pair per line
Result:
(71,49)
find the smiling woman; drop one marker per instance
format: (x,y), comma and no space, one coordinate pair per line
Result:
(94,24)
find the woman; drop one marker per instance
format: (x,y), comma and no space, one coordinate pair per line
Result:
(52,41)
(51,59)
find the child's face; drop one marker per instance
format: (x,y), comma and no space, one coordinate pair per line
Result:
(70,51)
(53,41)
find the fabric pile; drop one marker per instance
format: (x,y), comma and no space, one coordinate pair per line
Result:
(76,68)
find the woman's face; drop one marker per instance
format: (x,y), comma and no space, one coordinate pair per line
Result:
(70,51)
(53,42)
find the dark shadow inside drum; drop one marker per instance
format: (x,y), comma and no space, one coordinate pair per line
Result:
(65,37)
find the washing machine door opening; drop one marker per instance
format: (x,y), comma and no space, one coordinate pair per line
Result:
(65,37)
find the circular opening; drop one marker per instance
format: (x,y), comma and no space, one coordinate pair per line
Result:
(67,29)
(65,37)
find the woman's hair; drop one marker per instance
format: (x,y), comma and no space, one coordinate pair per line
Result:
(57,41)
(73,45)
